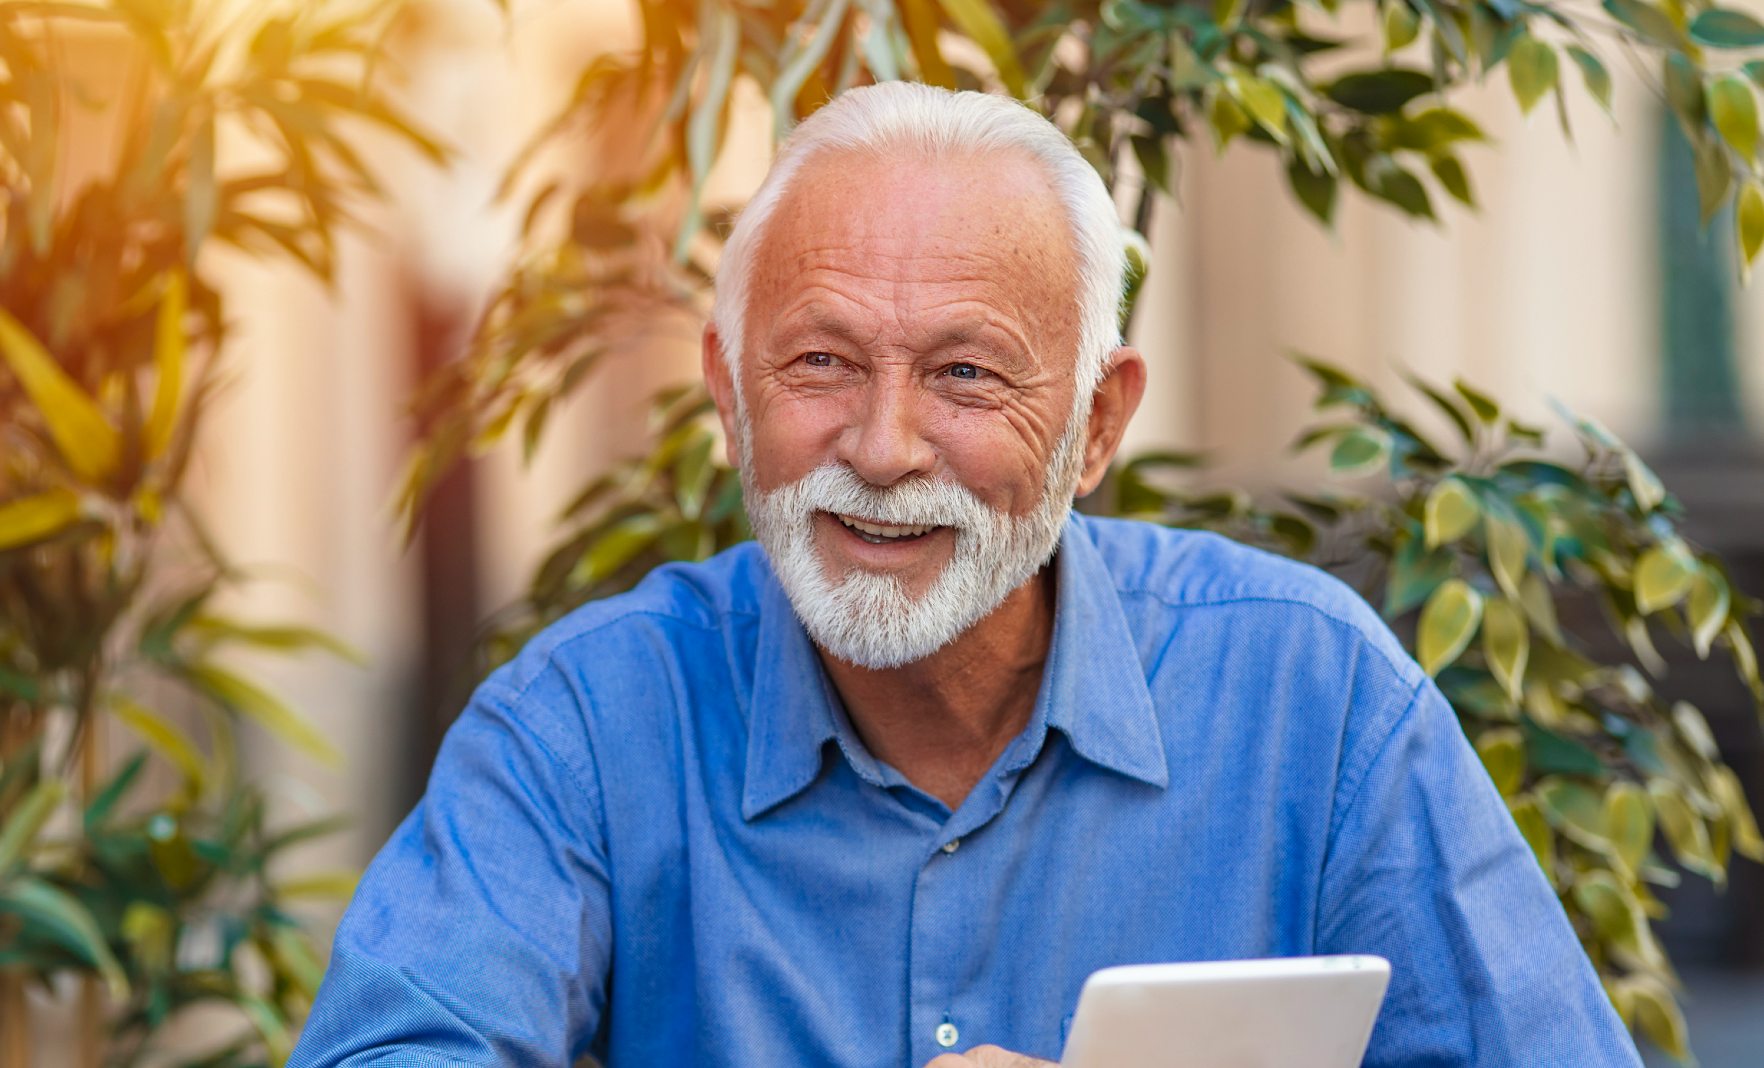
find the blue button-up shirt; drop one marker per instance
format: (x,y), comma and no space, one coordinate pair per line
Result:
(655,837)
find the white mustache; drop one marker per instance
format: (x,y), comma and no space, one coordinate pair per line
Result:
(835,487)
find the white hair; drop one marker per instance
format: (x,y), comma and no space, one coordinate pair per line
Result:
(894,116)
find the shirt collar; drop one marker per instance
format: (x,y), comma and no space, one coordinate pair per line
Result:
(1093,688)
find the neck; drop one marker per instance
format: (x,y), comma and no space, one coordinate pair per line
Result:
(943,720)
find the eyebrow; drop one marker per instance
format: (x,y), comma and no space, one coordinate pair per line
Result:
(820,319)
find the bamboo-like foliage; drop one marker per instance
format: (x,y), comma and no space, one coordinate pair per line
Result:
(1467,549)
(110,338)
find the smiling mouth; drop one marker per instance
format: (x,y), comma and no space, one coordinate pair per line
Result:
(882,533)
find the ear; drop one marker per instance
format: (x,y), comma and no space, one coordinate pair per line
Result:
(1114,403)
(721,384)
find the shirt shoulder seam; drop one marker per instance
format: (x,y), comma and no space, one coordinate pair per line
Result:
(1401,668)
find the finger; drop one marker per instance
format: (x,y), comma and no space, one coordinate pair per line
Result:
(951,1060)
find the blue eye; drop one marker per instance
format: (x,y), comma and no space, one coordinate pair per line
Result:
(819,359)
(964,371)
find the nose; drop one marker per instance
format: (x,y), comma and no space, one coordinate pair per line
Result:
(884,443)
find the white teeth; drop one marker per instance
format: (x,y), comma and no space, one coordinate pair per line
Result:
(883,530)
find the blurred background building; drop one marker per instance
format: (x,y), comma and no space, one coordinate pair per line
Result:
(1583,279)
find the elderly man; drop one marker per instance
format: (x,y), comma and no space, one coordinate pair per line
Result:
(887,786)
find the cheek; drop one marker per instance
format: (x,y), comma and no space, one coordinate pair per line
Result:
(991,454)
(792,436)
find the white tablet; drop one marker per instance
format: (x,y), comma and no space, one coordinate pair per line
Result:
(1313,1011)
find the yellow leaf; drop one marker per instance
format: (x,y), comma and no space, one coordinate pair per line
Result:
(1629,823)
(1448,622)
(1662,578)
(1508,548)
(1540,606)
(1748,220)
(1658,1016)
(1265,103)
(978,20)
(1506,643)
(1725,785)
(32,519)
(1685,830)
(1536,831)
(169,346)
(162,735)
(920,19)
(1450,513)
(87,441)
(251,700)
(1734,111)
(330,885)
(1401,25)
(1503,753)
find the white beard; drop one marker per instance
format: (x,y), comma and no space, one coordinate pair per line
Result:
(869,619)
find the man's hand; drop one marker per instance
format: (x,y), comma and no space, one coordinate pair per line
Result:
(988,1057)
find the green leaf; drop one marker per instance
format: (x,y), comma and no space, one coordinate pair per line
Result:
(1662,578)
(86,440)
(32,519)
(1450,172)
(1629,823)
(201,199)
(1684,92)
(704,128)
(1380,92)
(1450,513)
(1574,809)
(280,638)
(1644,484)
(1707,608)
(61,917)
(169,348)
(1506,643)
(1531,69)
(798,65)
(1485,407)
(1593,72)
(1748,221)
(1360,450)
(1448,622)
(1725,28)
(1734,111)
(615,548)
(1315,190)
(981,23)
(22,826)
(270,712)
(1649,21)
(100,807)
(1694,730)
(1503,753)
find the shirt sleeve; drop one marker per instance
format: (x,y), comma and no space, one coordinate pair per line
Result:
(481,933)
(1426,869)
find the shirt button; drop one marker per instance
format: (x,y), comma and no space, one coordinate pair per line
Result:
(947,1033)
(950,847)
